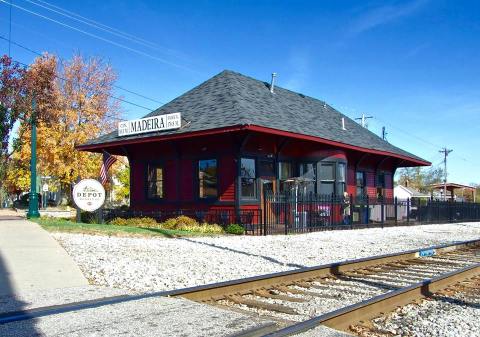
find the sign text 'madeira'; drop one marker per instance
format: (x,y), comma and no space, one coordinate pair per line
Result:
(150,124)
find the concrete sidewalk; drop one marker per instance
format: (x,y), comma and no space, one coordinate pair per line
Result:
(30,259)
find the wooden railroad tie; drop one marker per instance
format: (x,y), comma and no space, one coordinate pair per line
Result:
(261,305)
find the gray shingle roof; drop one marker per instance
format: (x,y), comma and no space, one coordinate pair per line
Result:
(230,99)
(413,192)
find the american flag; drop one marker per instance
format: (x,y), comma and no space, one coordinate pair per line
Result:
(108,161)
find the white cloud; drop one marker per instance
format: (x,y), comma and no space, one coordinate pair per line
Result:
(383,15)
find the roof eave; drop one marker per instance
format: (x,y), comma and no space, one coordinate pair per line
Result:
(339,144)
(122,142)
(251,127)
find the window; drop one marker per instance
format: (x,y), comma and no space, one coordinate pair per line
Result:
(360,183)
(380,184)
(308,171)
(285,171)
(207,178)
(266,168)
(155,182)
(327,178)
(341,178)
(248,178)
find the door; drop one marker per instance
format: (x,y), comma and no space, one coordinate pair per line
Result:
(267,187)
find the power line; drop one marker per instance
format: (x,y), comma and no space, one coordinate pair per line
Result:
(408,133)
(108,95)
(139,95)
(92,23)
(436,146)
(115,86)
(120,45)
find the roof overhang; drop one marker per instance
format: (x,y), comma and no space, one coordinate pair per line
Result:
(452,186)
(261,129)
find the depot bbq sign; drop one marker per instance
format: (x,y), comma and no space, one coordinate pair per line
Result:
(150,124)
(89,195)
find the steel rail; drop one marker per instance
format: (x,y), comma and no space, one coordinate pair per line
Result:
(209,291)
(343,318)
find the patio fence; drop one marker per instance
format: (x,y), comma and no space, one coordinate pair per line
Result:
(290,213)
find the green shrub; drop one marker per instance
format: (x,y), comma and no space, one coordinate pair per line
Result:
(118,222)
(235,229)
(183,220)
(202,228)
(179,222)
(169,223)
(184,223)
(135,222)
(145,222)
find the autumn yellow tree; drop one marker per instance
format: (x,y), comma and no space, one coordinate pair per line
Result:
(80,109)
(18,89)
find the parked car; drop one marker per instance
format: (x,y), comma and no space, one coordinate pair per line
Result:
(23,201)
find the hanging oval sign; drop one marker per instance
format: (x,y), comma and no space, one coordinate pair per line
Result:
(89,195)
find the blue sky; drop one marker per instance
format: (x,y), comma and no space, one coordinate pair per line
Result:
(412,65)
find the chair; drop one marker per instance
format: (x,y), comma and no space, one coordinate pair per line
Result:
(224,218)
(200,215)
(247,223)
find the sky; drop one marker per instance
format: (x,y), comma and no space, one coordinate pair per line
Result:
(411,65)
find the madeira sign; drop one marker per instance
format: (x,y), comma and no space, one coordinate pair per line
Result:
(150,124)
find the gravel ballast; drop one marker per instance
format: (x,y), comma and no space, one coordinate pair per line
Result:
(448,316)
(157,316)
(146,264)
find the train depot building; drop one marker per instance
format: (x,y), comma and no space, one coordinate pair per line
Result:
(225,143)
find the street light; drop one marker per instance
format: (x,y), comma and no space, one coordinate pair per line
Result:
(33,200)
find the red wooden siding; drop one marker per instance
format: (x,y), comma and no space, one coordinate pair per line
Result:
(370,180)
(170,180)
(351,183)
(388,185)
(227,173)
(138,183)
(186,181)
(180,161)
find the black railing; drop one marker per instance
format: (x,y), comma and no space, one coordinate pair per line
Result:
(290,213)
(298,213)
(448,211)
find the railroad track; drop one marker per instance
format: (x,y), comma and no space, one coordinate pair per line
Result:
(338,295)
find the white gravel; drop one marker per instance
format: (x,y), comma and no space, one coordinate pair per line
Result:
(159,316)
(450,316)
(145,264)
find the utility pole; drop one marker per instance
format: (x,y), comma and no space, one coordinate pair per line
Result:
(33,200)
(445,152)
(363,120)
(384,133)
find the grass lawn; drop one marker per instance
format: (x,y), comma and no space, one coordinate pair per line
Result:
(62,225)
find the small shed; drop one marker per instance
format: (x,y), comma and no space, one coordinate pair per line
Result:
(403,193)
(456,192)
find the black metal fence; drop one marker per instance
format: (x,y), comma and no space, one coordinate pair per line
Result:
(297,213)
(446,211)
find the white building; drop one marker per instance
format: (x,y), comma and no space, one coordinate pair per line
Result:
(404,193)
